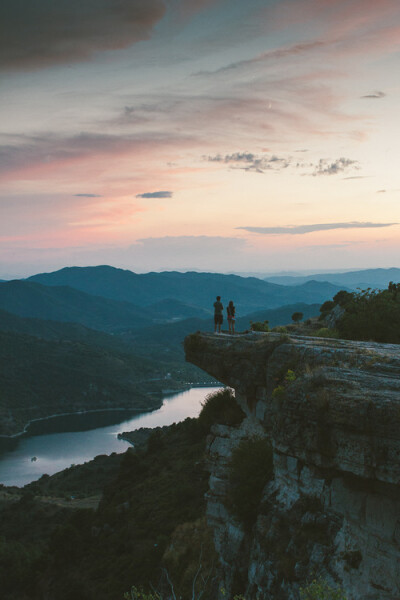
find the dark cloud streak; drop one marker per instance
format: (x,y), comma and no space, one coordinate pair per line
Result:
(303,229)
(39,33)
(279,53)
(251,162)
(375,95)
(161,194)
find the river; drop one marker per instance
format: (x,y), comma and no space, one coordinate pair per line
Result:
(53,452)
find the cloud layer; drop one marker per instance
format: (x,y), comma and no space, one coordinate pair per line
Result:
(161,194)
(302,229)
(38,33)
(375,95)
(251,162)
(325,167)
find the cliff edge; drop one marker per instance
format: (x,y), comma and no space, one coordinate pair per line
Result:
(331,409)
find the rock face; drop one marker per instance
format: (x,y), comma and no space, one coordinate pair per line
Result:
(331,409)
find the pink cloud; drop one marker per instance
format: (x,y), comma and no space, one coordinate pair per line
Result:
(334,16)
(42,156)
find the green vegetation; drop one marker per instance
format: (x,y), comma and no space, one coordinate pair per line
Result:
(150,521)
(78,481)
(79,554)
(326,332)
(370,314)
(326,308)
(297,316)
(279,391)
(250,469)
(48,367)
(290,376)
(259,326)
(280,329)
(221,407)
(41,377)
(319,589)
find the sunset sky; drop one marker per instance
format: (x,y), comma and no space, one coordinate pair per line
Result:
(232,136)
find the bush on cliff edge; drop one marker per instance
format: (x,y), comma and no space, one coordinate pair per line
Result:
(370,314)
(221,407)
(250,469)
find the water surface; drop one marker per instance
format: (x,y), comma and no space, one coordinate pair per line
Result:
(56,451)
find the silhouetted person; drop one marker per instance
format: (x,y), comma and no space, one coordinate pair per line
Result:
(218,318)
(231,310)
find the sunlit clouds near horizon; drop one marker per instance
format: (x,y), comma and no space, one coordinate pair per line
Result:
(225,136)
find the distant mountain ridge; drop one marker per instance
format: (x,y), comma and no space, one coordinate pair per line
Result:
(375,278)
(63,303)
(192,288)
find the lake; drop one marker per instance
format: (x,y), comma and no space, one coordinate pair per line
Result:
(57,451)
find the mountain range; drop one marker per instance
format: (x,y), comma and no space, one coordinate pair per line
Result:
(68,304)
(194,289)
(374,278)
(101,337)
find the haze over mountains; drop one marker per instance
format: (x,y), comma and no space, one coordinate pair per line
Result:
(195,289)
(374,278)
(30,299)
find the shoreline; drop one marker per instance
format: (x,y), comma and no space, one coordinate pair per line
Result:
(164,394)
(79,412)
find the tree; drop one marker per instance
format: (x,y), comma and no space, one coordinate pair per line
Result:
(297,316)
(326,307)
(371,315)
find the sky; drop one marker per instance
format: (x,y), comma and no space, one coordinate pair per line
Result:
(211,135)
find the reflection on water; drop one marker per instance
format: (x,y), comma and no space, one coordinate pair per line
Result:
(57,451)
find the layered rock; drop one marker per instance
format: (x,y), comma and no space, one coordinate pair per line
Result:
(331,409)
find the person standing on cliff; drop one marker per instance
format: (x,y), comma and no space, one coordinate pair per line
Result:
(231,310)
(218,318)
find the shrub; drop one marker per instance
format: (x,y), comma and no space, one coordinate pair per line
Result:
(250,469)
(325,332)
(319,589)
(372,315)
(279,392)
(290,376)
(221,407)
(259,326)
(280,329)
(286,379)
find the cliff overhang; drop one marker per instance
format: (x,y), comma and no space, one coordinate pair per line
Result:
(331,409)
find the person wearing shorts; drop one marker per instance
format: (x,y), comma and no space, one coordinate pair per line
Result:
(230,309)
(218,318)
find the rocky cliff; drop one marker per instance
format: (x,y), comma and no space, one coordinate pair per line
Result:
(331,409)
